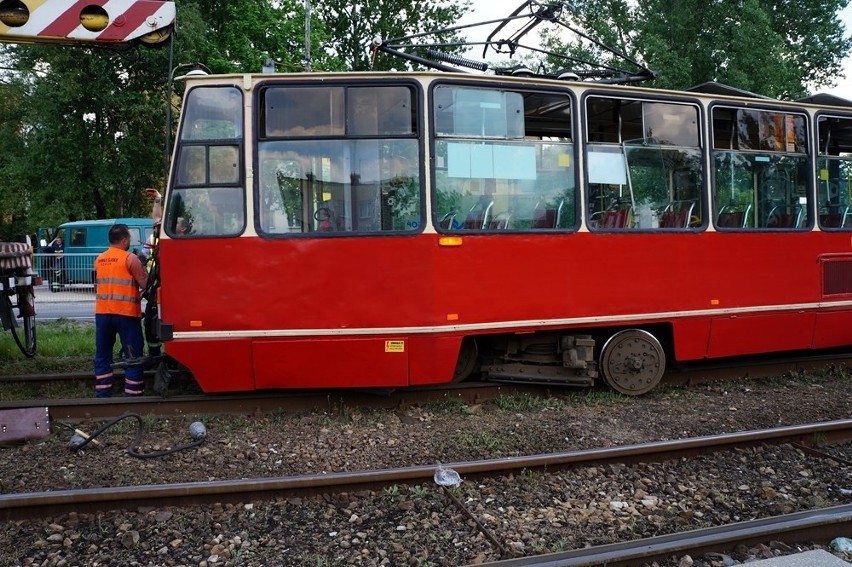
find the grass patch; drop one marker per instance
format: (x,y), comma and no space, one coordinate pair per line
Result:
(61,346)
(595,396)
(446,405)
(18,391)
(525,402)
(479,442)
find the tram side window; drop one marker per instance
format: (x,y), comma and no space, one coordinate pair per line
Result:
(644,167)
(835,173)
(212,113)
(207,198)
(349,164)
(504,160)
(760,169)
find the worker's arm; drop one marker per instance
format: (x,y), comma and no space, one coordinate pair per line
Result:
(137,270)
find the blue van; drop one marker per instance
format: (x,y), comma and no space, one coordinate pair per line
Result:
(73,261)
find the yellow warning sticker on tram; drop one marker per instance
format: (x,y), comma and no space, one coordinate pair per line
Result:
(394,346)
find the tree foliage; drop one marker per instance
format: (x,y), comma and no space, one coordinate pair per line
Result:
(353,25)
(84,130)
(81,132)
(777,49)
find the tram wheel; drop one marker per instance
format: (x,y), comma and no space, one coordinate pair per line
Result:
(467,361)
(633,362)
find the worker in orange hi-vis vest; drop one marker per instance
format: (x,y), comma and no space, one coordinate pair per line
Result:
(119,277)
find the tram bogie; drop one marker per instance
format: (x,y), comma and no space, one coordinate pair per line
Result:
(543,358)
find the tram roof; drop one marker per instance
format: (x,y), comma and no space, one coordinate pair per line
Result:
(712,88)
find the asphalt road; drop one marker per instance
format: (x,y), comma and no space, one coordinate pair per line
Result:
(73,302)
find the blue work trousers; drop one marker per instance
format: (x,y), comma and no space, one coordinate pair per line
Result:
(129,331)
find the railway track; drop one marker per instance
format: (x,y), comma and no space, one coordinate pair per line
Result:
(335,400)
(40,504)
(814,525)
(489,478)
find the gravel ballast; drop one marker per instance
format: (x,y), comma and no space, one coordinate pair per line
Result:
(530,513)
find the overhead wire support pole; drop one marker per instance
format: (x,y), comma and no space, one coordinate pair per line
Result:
(308,35)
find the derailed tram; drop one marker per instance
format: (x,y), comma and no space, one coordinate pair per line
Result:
(386,230)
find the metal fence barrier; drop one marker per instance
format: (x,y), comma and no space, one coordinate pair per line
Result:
(69,288)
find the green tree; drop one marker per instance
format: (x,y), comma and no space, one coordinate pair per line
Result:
(85,132)
(237,36)
(353,25)
(777,49)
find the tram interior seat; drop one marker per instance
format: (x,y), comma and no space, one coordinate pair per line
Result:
(447,220)
(543,217)
(618,216)
(500,221)
(677,214)
(547,217)
(834,219)
(785,216)
(733,216)
(478,216)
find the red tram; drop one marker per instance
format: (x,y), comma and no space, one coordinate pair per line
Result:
(398,229)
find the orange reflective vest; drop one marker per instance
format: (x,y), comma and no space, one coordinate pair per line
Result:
(117,291)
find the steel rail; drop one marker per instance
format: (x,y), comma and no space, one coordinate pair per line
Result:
(41,504)
(792,528)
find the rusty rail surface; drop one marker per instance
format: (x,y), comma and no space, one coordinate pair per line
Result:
(814,525)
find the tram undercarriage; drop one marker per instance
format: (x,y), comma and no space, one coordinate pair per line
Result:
(631,361)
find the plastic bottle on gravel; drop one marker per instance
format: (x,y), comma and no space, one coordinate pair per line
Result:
(445,476)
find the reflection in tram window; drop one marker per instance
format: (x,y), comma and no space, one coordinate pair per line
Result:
(760,169)
(354,175)
(504,160)
(644,165)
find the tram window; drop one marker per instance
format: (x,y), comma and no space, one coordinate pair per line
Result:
(483,113)
(192,165)
(518,175)
(644,166)
(339,186)
(224,164)
(359,172)
(212,113)
(380,111)
(302,112)
(205,211)
(835,173)
(760,169)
